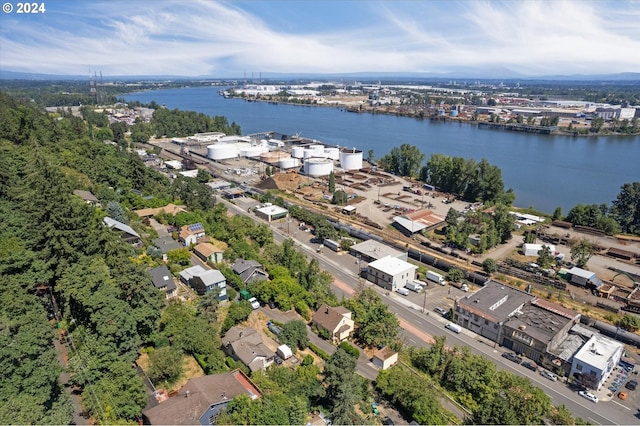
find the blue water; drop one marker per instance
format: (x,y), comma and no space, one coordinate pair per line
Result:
(544,171)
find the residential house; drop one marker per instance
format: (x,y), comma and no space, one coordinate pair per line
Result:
(337,321)
(203,280)
(201,399)
(126,232)
(538,329)
(165,245)
(210,252)
(390,273)
(595,361)
(190,272)
(190,234)
(209,280)
(485,311)
(249,271)
(385,358)
(170,208)
(88,197)
(246,345)
(163,281)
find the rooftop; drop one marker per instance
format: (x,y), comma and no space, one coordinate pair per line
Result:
(375,249)
(598,351)
(495,301)
(161,277)
(272,210)
(581,272)
(392,265)
(112,223)
(537,322)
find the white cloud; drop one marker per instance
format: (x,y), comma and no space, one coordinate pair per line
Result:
(206,37)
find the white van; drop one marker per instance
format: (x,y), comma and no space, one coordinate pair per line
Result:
(454,327)
(403,291)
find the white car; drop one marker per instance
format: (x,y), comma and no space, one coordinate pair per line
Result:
(549,375)
(591,397)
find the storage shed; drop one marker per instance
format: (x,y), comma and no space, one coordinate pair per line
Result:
(385,358)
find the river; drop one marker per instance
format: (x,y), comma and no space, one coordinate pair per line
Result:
(544,171)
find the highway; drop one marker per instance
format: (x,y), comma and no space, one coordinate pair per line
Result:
(419,327)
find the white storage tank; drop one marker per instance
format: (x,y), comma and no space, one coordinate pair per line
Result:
(309,153)
(351,159)
(316,167)
(297,152)
(222,151)
(289,163)
(253,151)
(333,153)
(318,149)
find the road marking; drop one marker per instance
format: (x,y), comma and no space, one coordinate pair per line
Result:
(616,402)
(591,418)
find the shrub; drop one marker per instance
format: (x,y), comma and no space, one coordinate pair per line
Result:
(322,354)
(350,349)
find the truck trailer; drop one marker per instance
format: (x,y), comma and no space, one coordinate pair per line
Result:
(435,277)
(414,286)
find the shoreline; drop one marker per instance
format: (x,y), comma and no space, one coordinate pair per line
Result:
(461,120)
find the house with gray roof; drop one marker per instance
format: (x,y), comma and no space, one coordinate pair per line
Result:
(126,232)
(245,344)
(209,280)
(485,311)
(249,271)
(165,245)
(163,281)
(201,399)
(88,197)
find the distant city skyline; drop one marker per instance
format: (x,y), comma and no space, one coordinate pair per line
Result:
(231,39)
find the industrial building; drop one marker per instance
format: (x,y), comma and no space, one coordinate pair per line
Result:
(372,250)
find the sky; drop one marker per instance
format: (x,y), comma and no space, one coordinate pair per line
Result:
(232,39)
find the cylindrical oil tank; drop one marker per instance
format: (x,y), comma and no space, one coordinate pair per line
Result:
(333,153)
(288,163)
(222,151)
(351,159)
(316,167)
(454,112)
(274,156)
(318,149)
(253,151)
(309,153)
(297,152)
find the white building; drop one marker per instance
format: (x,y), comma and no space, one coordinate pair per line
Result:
(583,277)
(391,273)
(270,212)
(595,361)
(534,249)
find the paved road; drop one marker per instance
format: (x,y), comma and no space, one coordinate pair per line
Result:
(419,327)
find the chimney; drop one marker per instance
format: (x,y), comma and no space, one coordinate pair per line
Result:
(186,394)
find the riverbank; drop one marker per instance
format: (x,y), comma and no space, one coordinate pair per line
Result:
(567,127)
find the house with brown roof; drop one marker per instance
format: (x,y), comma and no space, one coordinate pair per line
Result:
(337,321)
(190,234)
(200,401)
(245,344)
(210,251)
(88,197)
(170,208)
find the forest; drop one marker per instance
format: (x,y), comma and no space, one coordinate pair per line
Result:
(67,279)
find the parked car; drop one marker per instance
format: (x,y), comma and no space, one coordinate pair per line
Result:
(530,365)
(549,375)
(511,356)
(588,395)
(631,385)
(622,395)
(441,311)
